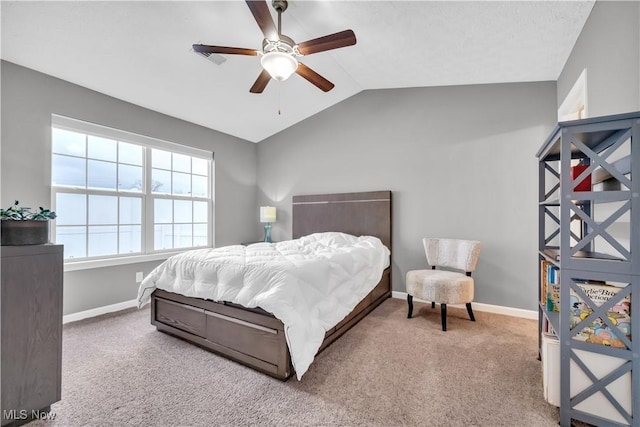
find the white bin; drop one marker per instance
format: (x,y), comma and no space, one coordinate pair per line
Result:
(600,365)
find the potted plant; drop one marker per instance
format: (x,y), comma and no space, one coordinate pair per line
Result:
(22,226)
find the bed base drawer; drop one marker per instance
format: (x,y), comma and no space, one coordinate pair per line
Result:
(255,340)
(184,317)
(277,371)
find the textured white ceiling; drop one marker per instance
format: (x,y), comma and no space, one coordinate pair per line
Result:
(141,51)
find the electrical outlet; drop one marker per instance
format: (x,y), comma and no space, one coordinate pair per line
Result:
(139,277)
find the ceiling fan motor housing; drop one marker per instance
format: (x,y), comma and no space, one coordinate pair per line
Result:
(280,5)
(285,45)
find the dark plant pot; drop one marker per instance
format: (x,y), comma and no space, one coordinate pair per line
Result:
(27,232)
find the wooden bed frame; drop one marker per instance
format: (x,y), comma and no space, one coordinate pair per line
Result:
(255,337)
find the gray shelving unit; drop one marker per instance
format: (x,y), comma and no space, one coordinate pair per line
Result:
(592,233)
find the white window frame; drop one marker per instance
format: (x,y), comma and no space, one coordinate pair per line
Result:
(148,253)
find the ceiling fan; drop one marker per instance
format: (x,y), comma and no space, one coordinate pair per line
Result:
(279,54)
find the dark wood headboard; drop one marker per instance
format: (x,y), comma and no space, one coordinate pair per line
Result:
(359,214)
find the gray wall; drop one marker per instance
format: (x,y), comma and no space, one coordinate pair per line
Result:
(28,100)
(609,48)
(460,161)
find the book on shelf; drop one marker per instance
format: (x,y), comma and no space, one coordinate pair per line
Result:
(547,327)
(585,184)
(550,285)
(599,332)
(544,264)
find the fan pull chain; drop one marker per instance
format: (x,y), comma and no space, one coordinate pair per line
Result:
(279,97)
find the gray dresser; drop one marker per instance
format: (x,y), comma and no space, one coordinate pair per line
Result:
(31,326)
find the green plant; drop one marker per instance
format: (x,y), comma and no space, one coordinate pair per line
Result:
(18,213)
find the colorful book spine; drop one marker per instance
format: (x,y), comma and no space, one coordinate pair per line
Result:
(550,286)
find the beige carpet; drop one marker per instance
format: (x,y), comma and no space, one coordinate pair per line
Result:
(386,371)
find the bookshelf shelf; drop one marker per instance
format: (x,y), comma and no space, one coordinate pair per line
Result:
(596,256)
(584,197)
(622,165)
(552,316)
(591,239)
(553,255)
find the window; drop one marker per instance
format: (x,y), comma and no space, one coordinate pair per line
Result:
(119,195)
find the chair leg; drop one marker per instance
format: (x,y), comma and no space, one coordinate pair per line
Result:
(443,314)
(433,304)
(473,319)
(410,302)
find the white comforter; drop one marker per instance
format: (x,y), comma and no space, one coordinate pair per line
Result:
(310,283)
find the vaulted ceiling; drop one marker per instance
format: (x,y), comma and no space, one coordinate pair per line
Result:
(141,51)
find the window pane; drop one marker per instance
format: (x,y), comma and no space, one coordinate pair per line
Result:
(74,240)
(101,175)
(183,236)
(68,171)
(103,240)
(102,148)
(182,211)
(130,239)
(103,210)
(181,183)
(67,142)
(130,210)
(130,153)
(160,181)
(200,166)
(160,159)
(200,211)
(163,236)
(199,186)
(181,163)
(199,234)
(71,209)
(162,211)
(130,178)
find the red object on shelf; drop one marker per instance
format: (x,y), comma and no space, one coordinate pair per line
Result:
(585,185)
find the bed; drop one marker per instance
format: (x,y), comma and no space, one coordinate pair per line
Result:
(254,336)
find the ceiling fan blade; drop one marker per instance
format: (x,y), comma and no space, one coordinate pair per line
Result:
(314,78)
(332,41)
(261,82)
(203,48)
(261,13)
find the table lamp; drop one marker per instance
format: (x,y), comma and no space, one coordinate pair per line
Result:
(267,216)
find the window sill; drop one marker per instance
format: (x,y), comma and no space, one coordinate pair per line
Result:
(111,262)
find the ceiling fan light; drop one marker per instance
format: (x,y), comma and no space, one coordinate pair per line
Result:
(279,65)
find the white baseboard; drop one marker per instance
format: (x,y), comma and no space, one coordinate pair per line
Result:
(74,317)
(478,306)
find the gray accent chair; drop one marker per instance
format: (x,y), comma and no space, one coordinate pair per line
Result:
(445,286)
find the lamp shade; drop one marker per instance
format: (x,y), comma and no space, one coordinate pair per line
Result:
(279,65)
(267,214)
